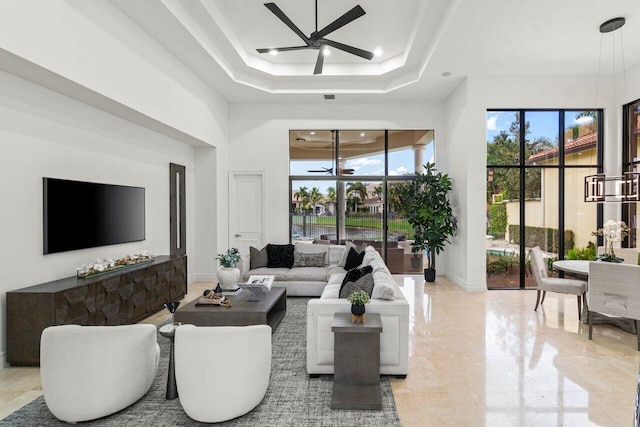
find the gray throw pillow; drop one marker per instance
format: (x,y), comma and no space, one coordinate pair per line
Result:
(258,258)
(308,260)
(364,283)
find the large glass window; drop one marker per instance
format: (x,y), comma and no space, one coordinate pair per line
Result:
(630,163)
(343,186)
(536,164)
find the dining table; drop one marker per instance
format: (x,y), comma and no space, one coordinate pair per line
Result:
(573,266)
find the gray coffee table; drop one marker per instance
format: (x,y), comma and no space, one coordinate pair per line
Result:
(269,310)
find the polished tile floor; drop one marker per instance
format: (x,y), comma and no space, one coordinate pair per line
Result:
(483,359)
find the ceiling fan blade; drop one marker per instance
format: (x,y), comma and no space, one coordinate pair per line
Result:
(349,49)
(284,18)
(328,171)
(284,49)
(319,62)
(351,15)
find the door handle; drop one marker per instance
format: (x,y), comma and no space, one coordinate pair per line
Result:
(238,235)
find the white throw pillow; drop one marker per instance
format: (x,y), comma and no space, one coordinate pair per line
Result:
(384,286)
(370,255)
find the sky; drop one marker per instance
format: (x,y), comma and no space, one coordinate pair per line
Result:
(541,123)
(400,163)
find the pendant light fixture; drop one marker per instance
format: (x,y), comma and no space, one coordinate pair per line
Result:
(601,188)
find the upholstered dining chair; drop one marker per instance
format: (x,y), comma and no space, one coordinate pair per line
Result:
(222,372)
(89,372)
(545,283)
(614,290)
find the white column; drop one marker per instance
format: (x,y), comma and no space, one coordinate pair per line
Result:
(418,158)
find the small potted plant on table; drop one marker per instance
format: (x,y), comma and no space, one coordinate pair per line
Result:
(358,299)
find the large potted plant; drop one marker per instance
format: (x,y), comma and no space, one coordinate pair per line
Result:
(424,202)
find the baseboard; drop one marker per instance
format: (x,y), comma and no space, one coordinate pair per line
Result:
(204,277)
(3,360)
(466,286)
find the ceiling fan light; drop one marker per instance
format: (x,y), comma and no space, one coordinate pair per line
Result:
(377,51)
(273,52)
(326,51)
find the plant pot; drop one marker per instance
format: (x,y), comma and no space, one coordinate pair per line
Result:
(228,276)
(357,310)
(430,274)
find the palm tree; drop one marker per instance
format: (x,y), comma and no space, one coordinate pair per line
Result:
(302,195)
(315,197)
(357,191)
(377,190)
(331,198)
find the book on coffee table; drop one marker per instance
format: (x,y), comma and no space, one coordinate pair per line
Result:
(259,281)
(233,290)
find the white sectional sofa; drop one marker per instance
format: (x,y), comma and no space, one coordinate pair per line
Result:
(301,281)
(394,313)
(387,300)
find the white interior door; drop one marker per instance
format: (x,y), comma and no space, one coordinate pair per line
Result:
(247,212)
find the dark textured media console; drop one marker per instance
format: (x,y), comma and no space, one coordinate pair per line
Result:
(115,298)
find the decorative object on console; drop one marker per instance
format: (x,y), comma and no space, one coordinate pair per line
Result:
(612,232)
(426,206)
(229,274)
(358,299)
(105,265)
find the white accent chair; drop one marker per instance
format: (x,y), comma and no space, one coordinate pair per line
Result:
(554,284)
(614,290)
(222,372)
(89,372)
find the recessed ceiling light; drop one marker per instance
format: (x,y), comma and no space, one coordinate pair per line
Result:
(312,133)
(377,51)
(362,134)
(446,74)
(326,51)
(273,52)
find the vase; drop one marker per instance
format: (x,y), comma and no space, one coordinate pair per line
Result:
(357,310)
(228,276)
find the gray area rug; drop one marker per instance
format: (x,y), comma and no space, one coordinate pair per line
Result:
(292,399)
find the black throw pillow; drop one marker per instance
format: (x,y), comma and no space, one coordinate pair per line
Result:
(354,274)
(279,256)
(354,259)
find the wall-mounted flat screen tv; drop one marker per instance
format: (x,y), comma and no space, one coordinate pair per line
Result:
(79,215)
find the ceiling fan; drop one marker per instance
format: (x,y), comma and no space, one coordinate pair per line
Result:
(316,39)
(329,171)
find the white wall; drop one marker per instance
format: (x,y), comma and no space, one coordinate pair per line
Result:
(95,45)
(45,134)
(259,141)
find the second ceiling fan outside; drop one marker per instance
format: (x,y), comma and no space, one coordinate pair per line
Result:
(316,39)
